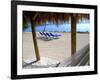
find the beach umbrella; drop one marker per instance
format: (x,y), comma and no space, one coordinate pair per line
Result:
(40,18)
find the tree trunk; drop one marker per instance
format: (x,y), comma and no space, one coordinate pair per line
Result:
(34,40)
(73,33)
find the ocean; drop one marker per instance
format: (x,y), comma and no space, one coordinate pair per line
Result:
(81,27)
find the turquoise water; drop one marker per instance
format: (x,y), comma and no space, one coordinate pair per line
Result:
(81,27)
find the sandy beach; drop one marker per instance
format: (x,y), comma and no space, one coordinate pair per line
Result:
(58,49)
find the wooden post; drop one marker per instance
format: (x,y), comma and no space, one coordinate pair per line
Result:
(34,38)
(73,33)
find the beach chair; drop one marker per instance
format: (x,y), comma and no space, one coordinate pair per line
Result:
(48,34)
(42,35)
(45,36)
(55,36)
(80,58)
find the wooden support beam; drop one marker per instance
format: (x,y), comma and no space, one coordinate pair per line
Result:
(32,19)
(73,33)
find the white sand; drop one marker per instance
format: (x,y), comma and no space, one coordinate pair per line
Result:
(58,49)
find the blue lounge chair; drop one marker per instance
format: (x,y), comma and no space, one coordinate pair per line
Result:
(48,34)
(56,36)
(45,36)
(42,35)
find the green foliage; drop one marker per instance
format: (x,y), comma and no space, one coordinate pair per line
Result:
(25,25)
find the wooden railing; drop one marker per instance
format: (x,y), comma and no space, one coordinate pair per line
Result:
(80,58)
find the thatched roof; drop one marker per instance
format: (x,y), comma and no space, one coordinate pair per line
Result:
(52,17)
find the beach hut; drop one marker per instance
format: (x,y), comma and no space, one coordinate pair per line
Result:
(40,18)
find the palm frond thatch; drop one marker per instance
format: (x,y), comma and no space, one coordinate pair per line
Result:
(51,17)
